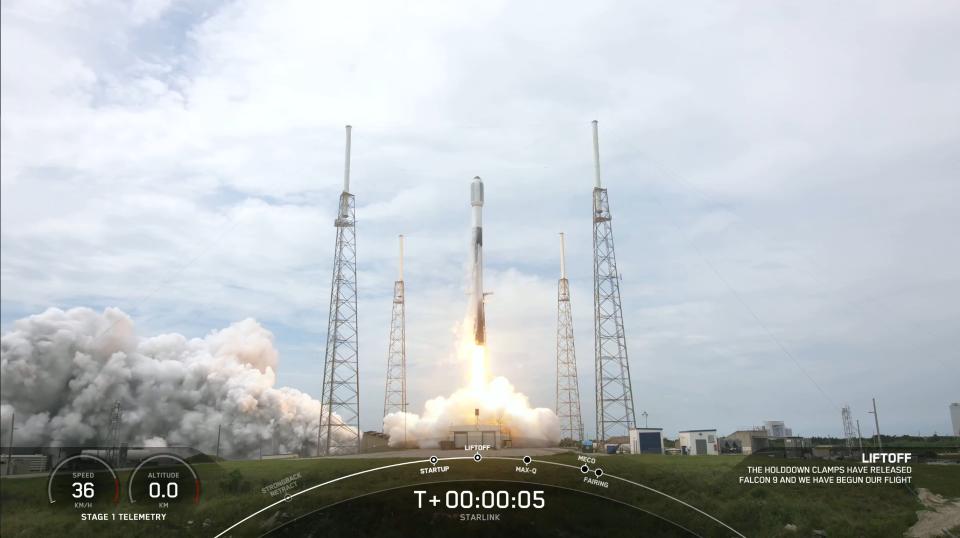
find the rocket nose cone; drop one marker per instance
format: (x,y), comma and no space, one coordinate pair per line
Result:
(476,191)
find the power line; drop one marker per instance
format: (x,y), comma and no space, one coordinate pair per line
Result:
(747,307)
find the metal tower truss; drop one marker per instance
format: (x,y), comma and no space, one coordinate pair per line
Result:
(849,431)
(395,397)
(614,391)
(568,389)
(116,417)
(339,431)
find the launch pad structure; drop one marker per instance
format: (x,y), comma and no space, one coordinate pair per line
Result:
(339,426)
(113,438)
(568,388)
(339,430)
(395,395)
(614,392)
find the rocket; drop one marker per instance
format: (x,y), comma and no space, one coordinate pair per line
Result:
(476,291)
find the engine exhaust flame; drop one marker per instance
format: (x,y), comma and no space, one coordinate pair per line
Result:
(478,368)
(493,402)
(496,398)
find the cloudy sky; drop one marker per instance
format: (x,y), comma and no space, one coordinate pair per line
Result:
(784,181)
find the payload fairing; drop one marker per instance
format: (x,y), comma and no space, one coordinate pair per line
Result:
(476,203)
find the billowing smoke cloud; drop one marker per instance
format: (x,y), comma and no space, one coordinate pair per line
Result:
(499,404)
(61,372)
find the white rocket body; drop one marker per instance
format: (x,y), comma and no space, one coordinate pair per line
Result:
(476,206)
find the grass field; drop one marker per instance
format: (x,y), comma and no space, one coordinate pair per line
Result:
(232,490)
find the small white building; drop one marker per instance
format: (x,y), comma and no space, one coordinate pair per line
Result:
(955,418)
(646,440)
(698,443)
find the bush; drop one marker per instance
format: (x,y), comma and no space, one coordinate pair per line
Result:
(234,483)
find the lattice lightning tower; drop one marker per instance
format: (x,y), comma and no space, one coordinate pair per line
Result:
(849,431)
(568,389)
(116,417)
(614,391)
(395,398)
(339,431)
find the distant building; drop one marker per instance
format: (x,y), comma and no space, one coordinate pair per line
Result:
(776,429)
(374,442)
(646,440)
(730,445)
(744,441)
(792,447)
(618,444)
(795,442)
(823,451)
(698,442)
(955,418)
(24,463)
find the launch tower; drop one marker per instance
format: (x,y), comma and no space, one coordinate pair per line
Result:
(848,430)
(113,438)
(395,398)
(568,389)
(339,431)
(614,391)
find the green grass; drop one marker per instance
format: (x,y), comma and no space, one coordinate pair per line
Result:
(763,510)
(232,489)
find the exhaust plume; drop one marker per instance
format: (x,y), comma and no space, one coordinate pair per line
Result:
(499,404)
(496,400)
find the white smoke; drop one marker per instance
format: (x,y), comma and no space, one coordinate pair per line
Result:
(497,400)
(498,403)
(61,372)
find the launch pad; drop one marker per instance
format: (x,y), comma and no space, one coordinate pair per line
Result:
(471,435)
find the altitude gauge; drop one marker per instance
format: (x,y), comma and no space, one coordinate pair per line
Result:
(83,482)
(163,480)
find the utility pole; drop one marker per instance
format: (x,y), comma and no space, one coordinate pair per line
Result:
(13,415)
(218,439)
(644,415)
(859,436)
(341,373)
(614,391)
(876,422)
